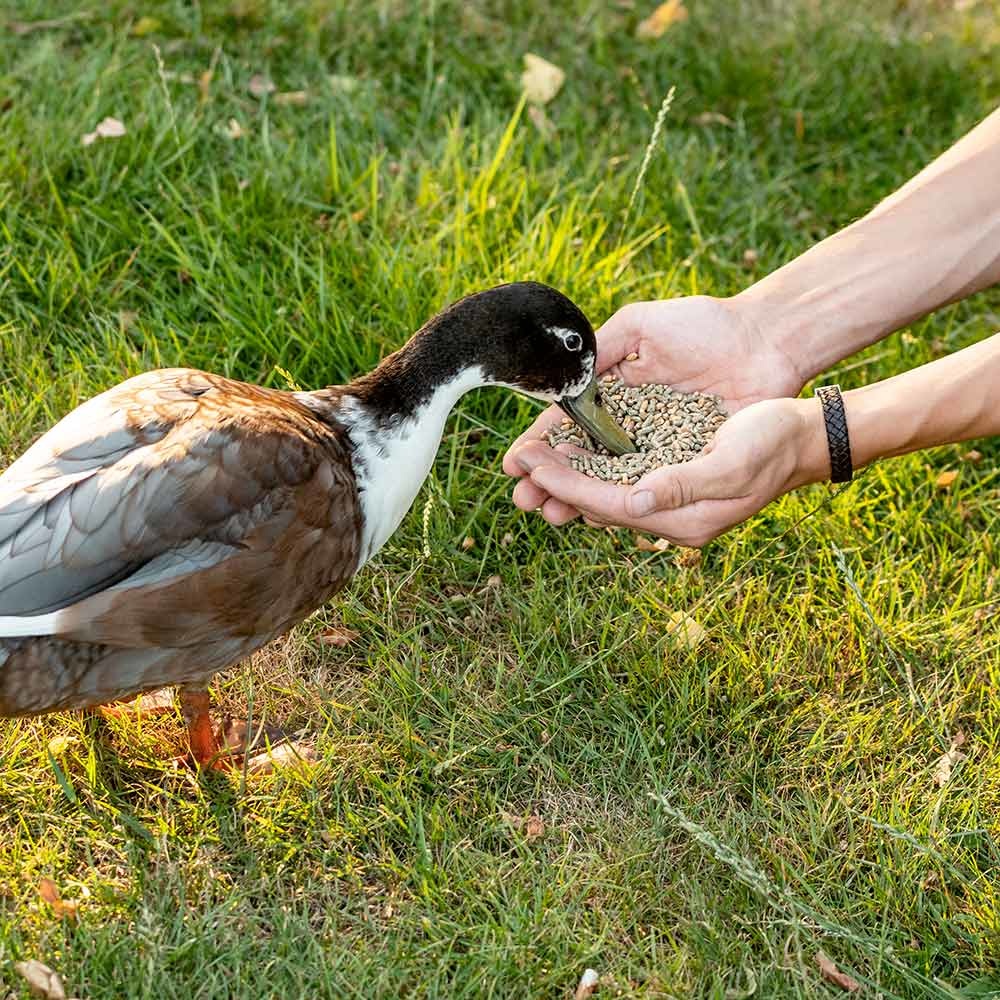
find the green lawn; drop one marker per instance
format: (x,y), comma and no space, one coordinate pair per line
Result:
(712,817)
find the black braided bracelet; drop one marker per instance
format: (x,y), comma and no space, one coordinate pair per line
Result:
(837,439)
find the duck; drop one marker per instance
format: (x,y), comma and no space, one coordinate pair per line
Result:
(171,526)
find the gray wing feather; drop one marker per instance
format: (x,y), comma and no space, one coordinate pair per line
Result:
(95,500)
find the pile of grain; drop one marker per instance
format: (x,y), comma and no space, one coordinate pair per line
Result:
(665,425)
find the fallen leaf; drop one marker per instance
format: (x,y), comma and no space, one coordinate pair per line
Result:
(534,828)
(359,214)
(829,971)
(41,980)
(107,128)
(468,542)
(338,636)
(49,891)
(713,118)
(588,983)
(973,456)
(541,80)
(205,85)
(235,130)
(292,97)
(259,86)
(688,558)
(494,582)
(145,26)
(507,539)
(685,631)
(644,544)
(281,757)
(946,478)
(942,769)
(654,26)
(60,744)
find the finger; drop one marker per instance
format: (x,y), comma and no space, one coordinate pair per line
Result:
(558,513)
(528,496)
(534,453)
(545,420)
(707,477)
(597,499)
(618,338)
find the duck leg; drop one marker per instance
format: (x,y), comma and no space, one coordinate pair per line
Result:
(206,749)
(225,748)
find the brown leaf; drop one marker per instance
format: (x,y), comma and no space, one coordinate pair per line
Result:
(41,980)
(713,118)
(973,456)
(688,558)
(684,630)
(338,636)
(587,985)
(292,97)
(259,86)
(495,582)
(107,128)
(945,763)
(468,542)
(49,891)
(541,80)
(829,971)
(534,827)
(644,544)
(667,14)
(946,478)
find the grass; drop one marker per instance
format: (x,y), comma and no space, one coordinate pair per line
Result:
(712,817)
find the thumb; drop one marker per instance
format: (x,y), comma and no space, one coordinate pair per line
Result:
(673,486)
(617,338)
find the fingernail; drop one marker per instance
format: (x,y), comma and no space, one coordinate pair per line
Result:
(641,503)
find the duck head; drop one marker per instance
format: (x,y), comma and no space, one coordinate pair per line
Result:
(524,335)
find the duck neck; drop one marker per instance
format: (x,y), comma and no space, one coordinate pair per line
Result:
(396,417)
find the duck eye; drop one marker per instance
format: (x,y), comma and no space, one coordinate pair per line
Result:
(573,342)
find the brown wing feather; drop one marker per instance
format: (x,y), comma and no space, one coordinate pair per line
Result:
(176,505)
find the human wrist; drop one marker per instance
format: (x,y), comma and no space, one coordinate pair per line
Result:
(811,448)
(768,349)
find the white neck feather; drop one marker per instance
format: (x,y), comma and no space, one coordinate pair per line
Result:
(391,464)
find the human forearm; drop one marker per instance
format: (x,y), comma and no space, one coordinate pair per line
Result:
(953,399)
(934,241)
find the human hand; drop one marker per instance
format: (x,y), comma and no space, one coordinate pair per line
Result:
(698,344)
(765,450)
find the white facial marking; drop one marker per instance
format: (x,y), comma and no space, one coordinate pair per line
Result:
(392,463)
(572,341)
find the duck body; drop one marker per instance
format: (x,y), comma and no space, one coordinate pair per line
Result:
(164,530)
(169,527)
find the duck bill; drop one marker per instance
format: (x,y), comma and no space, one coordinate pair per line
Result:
(597,422)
